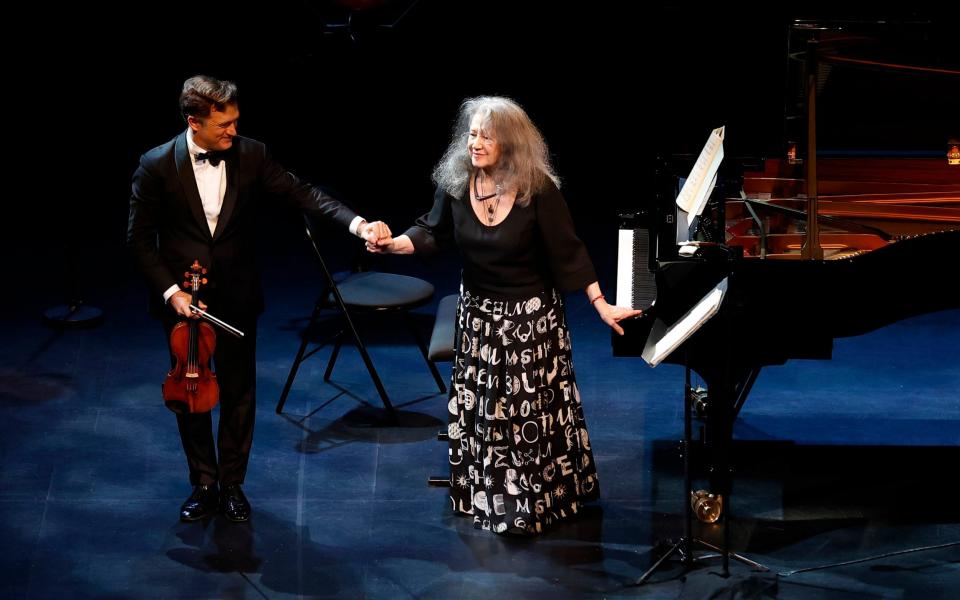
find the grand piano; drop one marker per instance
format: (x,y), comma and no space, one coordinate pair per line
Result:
(812,247)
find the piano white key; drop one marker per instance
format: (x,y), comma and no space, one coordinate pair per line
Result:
(636,285)
(625,267)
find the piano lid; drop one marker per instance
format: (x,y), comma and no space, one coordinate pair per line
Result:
(882,87)
(869,122)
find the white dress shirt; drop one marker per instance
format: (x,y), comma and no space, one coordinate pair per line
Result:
(211,182)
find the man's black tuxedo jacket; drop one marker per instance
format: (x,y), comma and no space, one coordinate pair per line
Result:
(168,230)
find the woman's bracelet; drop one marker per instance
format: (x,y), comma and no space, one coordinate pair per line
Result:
(599,297)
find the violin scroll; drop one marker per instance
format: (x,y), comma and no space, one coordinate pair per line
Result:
(193,279)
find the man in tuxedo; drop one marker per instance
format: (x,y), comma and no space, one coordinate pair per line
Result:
(195,198)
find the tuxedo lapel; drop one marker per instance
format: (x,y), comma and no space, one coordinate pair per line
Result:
(230,194)
(189,182)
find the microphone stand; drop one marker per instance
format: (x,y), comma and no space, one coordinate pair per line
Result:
(73,315)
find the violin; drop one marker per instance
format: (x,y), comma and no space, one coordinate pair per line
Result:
(191,385)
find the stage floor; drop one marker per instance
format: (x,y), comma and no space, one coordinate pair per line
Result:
(836,461)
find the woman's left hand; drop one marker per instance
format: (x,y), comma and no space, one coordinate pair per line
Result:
(611,314)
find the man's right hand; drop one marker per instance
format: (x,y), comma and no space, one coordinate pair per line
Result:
(180,303)
(375,231)
(381,246)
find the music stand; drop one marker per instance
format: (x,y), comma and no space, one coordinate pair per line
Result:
(684,546)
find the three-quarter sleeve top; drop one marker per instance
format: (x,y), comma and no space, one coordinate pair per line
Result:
(534,248)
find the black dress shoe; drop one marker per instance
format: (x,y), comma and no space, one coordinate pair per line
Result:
(234,504)
(201,504)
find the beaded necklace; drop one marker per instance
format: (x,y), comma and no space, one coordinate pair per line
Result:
(493,206)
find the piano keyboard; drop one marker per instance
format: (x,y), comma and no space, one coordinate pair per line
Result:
(636,287)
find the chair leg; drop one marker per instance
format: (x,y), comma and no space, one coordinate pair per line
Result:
(333,356)
(423,352)
(370,368)
(299,359)
(440,480)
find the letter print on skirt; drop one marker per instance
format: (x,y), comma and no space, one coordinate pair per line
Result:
(520,456)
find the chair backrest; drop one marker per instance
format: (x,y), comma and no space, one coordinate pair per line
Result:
(331,283)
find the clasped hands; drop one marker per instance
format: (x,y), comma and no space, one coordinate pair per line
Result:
(377,236)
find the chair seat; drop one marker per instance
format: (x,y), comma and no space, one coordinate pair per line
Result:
(383,291)
(441,340)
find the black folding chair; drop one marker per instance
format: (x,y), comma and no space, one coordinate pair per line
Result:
(441,339)
(366,292)
(442,350)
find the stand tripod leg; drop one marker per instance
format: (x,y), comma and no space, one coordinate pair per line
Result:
(737,557)
(726,539)
(673,550)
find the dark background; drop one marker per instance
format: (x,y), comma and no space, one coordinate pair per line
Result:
(360,96)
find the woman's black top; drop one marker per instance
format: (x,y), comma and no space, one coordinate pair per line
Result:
(532,249)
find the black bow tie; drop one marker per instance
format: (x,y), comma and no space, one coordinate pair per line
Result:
(213,158)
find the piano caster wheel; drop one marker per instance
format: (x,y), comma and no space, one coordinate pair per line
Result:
(442,436)
(706,506)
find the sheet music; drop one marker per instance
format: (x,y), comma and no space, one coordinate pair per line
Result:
(663,341)
(696,189)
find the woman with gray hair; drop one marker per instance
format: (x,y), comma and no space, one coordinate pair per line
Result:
(520,455)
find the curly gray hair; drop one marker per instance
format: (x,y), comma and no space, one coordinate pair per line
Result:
(524,163)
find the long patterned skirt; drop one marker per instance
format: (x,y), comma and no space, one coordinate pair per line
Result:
(520,454)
